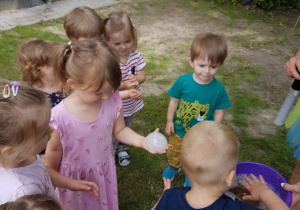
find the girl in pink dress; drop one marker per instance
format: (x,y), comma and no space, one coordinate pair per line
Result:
(81,144)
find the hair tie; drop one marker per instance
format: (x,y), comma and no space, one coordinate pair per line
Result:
(68,49)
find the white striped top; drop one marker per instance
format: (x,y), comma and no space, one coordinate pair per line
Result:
(135,62)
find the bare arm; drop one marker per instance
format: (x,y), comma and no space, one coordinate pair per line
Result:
(173,104)
(167,185)
(141,76)
(219,115)
(54,151)
(132,93)
(290,66)
(260,191)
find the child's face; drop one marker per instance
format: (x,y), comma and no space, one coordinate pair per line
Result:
(89,96)
(121,42)
(204,71)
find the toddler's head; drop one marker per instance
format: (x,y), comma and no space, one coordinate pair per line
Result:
(88,63)
(33,202)
(210,46)
(83,23)
(24,122)
(209,155)
(33,55)
(119,26)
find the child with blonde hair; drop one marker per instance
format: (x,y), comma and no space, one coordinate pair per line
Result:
(81,144)
(25,131)
(122,36)
(35,66)
(83,23)
(32,202)
(209,155)
(196,97)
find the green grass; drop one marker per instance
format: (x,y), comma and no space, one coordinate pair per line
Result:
(140,183)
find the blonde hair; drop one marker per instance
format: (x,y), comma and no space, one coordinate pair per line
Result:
(117,21)
(88,63)
(32,202)
(33,54)
(209,152)
(83,22)
(21,117)
(209,45)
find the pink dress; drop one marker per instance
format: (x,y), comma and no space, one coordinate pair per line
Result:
(88,155)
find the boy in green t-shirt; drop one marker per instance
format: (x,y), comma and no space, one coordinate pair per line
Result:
(196,97)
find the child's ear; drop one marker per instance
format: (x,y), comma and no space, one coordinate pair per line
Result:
(71,83)
(5,150)
(230,178)
(191,62)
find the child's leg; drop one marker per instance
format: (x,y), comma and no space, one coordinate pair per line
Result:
(124,158)
(173,155)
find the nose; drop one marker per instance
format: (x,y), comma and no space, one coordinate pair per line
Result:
(207,69)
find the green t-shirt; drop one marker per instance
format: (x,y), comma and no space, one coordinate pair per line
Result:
(197,102)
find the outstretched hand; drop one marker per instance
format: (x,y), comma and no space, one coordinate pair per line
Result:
(90,188)
(292,65)
(295,189)
(167,184)
(255,187)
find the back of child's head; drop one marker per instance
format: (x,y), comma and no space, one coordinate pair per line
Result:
(32,202)
(32,55)
(22,117)
(209,152)
(83,23)
(119,21)
(88,63)
(209,45)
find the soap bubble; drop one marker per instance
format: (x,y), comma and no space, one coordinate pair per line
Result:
(156,142)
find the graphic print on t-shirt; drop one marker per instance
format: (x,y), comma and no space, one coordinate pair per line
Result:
(187,111)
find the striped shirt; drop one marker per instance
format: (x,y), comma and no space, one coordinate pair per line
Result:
(134,64)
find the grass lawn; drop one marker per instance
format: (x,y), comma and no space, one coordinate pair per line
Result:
(140,183)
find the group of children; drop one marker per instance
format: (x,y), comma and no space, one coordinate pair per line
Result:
(93,83)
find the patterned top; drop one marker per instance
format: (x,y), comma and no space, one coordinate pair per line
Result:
(134,64)
(55,97)
(88,154)
(27,180)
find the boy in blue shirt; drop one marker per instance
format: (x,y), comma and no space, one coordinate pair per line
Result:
(196,97)
(209,156)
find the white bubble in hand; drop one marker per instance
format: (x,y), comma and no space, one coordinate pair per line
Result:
(156,142)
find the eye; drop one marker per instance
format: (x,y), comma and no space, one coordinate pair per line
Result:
(128,41)
(117,44)
(214,67)
(202,66)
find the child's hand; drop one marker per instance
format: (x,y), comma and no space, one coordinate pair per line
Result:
(295,189)
(169,128)
(132,82)
(144,145)
(167,184)
(256,187)
(90,188)
(135,94)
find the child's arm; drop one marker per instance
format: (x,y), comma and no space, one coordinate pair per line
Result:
(141,76)
(295,189)
(130,84)
(52,161)
(218,115)
(127,135)
(260,191)
(173,104)
(132,93)
(167,185)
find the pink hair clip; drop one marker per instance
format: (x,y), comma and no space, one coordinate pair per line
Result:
(15,87)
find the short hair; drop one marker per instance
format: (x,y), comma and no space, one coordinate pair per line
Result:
(32,202)
(21,118)
(88,63)
(209,45)
(33,54)
(209,152)
(117,21)
(83,22)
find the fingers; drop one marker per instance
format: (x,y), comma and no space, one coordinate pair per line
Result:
(247,197)
(167,183)
(289,187)
(156,130)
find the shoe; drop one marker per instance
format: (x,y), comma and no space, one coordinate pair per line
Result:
(124,158)
(187,182)
(169,173)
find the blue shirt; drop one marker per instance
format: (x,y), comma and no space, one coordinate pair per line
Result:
(174,199)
